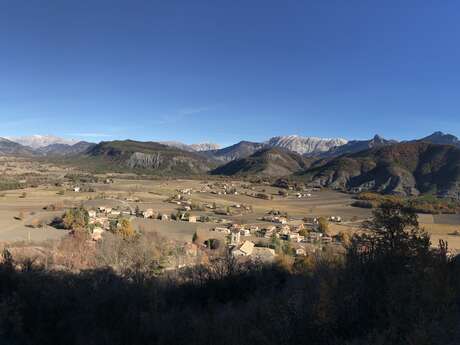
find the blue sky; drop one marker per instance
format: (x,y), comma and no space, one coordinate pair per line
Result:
(223,71)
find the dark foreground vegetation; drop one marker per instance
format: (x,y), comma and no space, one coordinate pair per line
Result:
(391,288)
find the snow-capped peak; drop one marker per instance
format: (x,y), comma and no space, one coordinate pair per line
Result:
(36,141)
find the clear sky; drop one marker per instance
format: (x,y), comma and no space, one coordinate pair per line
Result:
(223,71)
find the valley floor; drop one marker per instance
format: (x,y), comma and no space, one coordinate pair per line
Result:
(21,209)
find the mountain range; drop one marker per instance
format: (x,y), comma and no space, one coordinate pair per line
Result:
(409,168)
(427,165)
(38,141)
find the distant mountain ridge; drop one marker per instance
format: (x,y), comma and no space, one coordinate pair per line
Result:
(65,149)
(192,147)
(427,165)
(305,145)
(38,141)
(242,149)
(354,146)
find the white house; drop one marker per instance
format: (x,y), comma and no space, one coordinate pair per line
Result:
(148,213)
(244,250)
(245,232)
(300,251)
(235,238)
(97,234)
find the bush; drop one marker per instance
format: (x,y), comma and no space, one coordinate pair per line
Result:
(262,196)
(76,219)
(362,204)
(323,225)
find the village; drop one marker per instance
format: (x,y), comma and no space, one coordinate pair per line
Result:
(262,239)
(250,220)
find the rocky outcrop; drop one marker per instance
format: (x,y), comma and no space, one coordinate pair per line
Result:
(305,145)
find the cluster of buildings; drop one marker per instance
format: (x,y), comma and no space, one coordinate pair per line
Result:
(242,238)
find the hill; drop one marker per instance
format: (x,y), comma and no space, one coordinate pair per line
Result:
(10,148)
(442,139)
(271,162)
(148,157)
(242,149)
(405,169)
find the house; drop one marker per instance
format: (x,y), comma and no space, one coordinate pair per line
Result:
(337,219)
(326,239)
(192,219)
(148,213)
(222,230)
(268,232)
(294,237)
(245,232)
(285,230)
(76,189)
(164,217)
(115,213)
(235,237)
(92,214)
(105,209)
(315,236)
(280,220)
(254,228)
(96,235)
(299,227)
(244,250)
(300,252)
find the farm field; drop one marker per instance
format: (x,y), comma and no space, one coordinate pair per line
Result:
(130,193)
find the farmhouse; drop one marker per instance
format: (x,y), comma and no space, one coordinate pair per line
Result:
(244,250)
